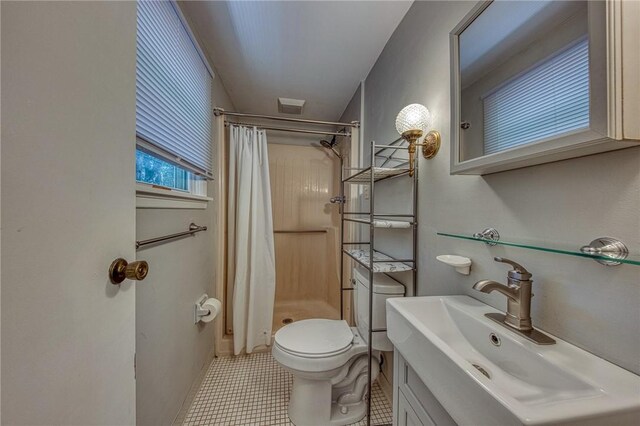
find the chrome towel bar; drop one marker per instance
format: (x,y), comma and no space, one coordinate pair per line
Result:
(193,228)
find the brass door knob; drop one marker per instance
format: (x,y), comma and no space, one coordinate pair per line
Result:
(121,269)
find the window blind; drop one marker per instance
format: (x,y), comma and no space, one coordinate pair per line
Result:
(173,88)
(547,101)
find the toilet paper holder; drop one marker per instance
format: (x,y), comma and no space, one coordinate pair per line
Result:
(199,311)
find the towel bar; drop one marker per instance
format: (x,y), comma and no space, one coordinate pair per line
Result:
(193,228)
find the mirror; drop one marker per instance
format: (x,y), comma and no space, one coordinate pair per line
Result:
(524,75)
(529,84)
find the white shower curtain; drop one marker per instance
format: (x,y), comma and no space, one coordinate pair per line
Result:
(252,267)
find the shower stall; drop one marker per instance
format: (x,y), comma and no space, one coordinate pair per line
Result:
(305,182)
(306,228)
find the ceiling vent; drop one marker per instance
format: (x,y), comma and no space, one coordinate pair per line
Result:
(290,106)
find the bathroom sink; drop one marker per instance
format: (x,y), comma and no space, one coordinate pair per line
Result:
(482,373)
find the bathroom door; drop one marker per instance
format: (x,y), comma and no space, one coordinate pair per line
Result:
(68,210)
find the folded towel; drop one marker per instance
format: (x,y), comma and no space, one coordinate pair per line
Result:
(383,223)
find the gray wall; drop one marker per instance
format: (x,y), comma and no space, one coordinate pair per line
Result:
(170,349)
(568,202)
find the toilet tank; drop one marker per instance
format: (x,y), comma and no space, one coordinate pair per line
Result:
(383,288)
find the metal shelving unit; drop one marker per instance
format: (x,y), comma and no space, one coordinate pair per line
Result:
(370,176)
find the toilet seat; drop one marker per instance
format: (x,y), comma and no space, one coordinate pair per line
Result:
(315,338)
(317,345)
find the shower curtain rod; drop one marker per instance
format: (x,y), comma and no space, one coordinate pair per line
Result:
(220,111)
(289,129)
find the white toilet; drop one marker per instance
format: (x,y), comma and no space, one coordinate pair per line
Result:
(328,359)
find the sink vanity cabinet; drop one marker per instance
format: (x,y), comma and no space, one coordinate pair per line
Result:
(413,402)
(453,365)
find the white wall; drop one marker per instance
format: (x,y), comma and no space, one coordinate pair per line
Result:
(171,350)
(568,202)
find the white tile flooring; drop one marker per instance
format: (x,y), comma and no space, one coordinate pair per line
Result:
(254,390)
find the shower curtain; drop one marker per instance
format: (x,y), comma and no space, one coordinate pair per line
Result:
(250,236)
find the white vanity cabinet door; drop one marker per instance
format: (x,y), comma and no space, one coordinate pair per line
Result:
(413,401)
(406,416)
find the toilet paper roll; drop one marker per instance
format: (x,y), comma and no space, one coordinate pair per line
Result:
(214,306)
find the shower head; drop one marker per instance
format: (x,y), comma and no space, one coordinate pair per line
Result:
(331,145)
(326,144)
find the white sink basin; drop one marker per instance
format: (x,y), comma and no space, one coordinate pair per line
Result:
(443,337)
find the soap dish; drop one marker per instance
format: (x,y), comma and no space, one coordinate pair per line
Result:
(460,263)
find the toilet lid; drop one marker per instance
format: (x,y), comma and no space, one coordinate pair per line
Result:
(315,337)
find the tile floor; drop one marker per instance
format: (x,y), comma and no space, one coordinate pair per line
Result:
(254,390)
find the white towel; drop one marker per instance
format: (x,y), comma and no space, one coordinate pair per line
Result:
(383,223)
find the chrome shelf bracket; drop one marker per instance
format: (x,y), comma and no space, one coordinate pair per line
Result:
(490,236)
(608,247)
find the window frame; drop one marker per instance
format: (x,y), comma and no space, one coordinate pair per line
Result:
(150,196)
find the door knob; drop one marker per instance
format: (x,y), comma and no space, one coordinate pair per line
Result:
(121,269)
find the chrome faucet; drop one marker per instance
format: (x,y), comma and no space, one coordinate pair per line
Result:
(518,292)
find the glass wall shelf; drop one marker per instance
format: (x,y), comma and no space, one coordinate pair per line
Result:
(633,258)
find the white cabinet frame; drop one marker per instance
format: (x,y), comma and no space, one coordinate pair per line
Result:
(614,67)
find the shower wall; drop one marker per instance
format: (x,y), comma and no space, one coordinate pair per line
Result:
(306,225)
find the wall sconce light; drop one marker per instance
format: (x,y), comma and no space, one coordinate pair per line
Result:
(412,121)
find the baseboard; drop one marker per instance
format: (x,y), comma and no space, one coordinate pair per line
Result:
(386,387)
(195,387)
(225,346)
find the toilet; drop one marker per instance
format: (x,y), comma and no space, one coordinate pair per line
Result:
(328,359)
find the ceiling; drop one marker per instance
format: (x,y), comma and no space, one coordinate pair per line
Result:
(313,50)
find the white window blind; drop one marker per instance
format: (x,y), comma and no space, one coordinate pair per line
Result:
(173,88)
(547,101)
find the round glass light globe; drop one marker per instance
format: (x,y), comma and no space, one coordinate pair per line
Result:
(413,117)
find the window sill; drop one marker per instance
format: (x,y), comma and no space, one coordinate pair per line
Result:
(149,197)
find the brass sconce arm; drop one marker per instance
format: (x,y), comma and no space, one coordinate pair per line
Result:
(430,145)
